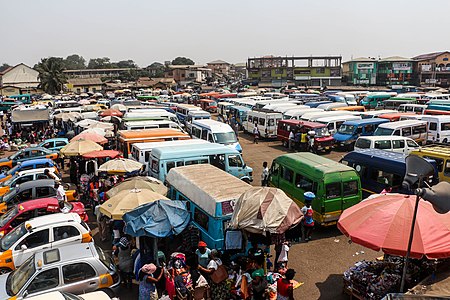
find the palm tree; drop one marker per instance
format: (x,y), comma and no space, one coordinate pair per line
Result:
(51,74)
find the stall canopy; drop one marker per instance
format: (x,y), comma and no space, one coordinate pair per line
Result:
(102,154)
(80,147)
(265,209)
(90,136)
(139,182)
(120,166)
(162,218)
(30,115)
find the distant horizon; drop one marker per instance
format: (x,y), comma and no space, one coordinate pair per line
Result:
(202,30)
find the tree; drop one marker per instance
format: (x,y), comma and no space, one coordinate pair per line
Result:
(156,69)
(100,63)
(182,61)
(126,64)
(51,74)
(4,66)
(75,62)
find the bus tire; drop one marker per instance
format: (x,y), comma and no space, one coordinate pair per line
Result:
(4,271)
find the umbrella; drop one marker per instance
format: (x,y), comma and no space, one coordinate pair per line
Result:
(80,147)
(99,131)
(105,126)
(102,154)
(157,219)
(111,112)
(139,182)
(69,116)
(120,166)
(262,209)
(90,136)
(84,102)
(128,200)
(86,123)
(384,223)
(119,107)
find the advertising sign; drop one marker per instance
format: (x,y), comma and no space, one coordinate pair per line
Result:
(401,66)
(364,66)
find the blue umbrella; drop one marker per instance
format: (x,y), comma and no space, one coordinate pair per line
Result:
(158,219)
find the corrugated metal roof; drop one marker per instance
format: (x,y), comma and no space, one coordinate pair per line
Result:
(429,55)
(396,58)
(85,81)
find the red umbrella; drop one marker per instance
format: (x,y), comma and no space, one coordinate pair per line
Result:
(102,154)
(91,136)
(384,223)
(111,112)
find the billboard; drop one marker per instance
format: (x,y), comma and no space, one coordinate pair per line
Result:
(364,66)
(402,66)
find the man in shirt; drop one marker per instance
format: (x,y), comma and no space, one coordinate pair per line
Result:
(60,193)
(265,174)
(203,254)
(291,139)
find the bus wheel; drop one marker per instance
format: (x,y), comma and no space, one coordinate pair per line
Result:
(4,270)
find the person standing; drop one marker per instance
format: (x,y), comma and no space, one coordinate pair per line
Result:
(123,253)
(147,281)
(291,139)
(202,253)
(285,289)
(60,192)
(308,212)
(303,140)
(297,140)
(101,221)
(265,174)
(255,134)
(219,290)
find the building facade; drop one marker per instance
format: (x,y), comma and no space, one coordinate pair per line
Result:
(186,74)
(97,73)
(303,71)
(219,67)
(433,69)
(360,71)
(20,79)
(84,85)
(395,70)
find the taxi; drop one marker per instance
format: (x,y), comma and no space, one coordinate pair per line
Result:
(22,212)
(27,175)
(29,165)
(8,163)
(45,232)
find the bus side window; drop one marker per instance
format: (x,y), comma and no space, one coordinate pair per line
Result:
(204,134)
(262,121)
(274,169)
(210,138)
(288,174)
(447,168)
(406,131)
(359,130)
(170,165)
(397,132)
(201,218)
(250,119)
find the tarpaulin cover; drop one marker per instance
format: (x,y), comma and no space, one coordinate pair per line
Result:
(30,115)
(159,219)
(384,223)
(265,209)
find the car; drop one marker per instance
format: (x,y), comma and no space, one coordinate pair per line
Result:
(25,154)
(24,176)
(29,165)
(75,269)
(44,232)
(54,144)
(30,190)
(99,295)
(22,212)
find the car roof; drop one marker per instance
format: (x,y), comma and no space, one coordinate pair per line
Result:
(38,203)
(73,252)
(57,218)
(35,183)
(36,171)
(54,140)
(35,148)
(385,137)
(214,125)
(403,123)
(37,161)
(366,121)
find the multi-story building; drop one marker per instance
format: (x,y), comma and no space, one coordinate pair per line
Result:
(97,73)
(277,71)
(185,74)
(360,71)
(433,69)
(219,67)
(395,70)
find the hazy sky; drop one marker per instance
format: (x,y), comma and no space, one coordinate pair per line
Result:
(232,30)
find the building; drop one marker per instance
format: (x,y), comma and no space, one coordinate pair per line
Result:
(219,67)
(20,79)
(238,70)
(433,69)
(97,73)
(84,85)
(186,74)
(360,71)
(395,70)
(277,71)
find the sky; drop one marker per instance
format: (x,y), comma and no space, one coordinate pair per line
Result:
(232,30)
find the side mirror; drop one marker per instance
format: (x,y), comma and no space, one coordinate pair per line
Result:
(23,247)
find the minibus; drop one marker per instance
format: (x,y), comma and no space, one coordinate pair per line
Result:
(332,106)
(314,104)
(415,129)
(379,169)
(223,157)
(223,109)
(349,131)
(135,125)
(262,104)
(349,98)
(440,154)
(195,115)
(148,115)
(321,114)
(128,137)
(210,195)
(208,105)
(355,108)
(392,143)
(141,151)
(395,102)
(376,113)
(323,141)
(334,122)
(394,117)
(413,108)
(372,100)
(240,114)
(266,122)
(336,186)
(297,113)
(438,128)
(183,111)
(215,132)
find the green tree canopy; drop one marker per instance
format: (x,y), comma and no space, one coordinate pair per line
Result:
(75,62)
(4,66)
(126,64)
(182,61)
(156,69)
(51,74)
(100,63)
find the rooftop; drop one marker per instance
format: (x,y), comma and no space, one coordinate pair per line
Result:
(218,62)
(396,58)
(85,81)
(362,59)
(429,55)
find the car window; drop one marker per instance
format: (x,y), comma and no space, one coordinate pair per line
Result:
(350,188)
(398,144)
(333,190)
(383,144)
(406,131)
(35,239)
(59,144)
(42,191)
(235,161)
(77,272)
(44,281)
(24,179)
(22,218)
(288,174)
(24,195)
(411,143)
(65,232)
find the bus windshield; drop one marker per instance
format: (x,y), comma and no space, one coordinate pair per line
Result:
(225,137)
(346,129)
(383,131)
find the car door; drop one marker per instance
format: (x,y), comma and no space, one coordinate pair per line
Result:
(33,242)
(79,277)
(64,235)
(44,282)
(24,155)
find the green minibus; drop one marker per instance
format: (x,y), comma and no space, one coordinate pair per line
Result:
(335,185)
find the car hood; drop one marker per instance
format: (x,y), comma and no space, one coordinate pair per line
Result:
(341,137)
(3,293)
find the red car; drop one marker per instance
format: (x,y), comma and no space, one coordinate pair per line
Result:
(22,212)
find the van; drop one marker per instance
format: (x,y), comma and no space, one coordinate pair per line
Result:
(183,111)
(136,125)
(239,113)
(395,102)
(375,113)
(438,128)
(312,116)
(314,104)
(393,117)
(266,122)
(356,108)
(334,122)
(439,153)
(215,132)
(379,169)
(350,131)
(332,106)
(372,100)
(223,109)
(349,98)
(415,129)
(230,160)
(413,108)
(398,144)
(336,186)
(323,141)
(29,165)
(210,194)
(297,113)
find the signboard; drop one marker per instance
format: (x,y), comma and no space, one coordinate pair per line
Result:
(227,207)
(425,68)
(364,66)
(403,66)
(431,81)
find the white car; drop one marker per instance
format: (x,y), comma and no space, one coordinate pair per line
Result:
(398,144)
(66,296)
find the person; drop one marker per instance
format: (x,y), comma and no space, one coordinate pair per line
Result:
(255,134)
(386,190)
(255,253)
(291,139)
(219,291)
(297,141)
(50,175)
(283,256)
(60,192)
(285,289)
(101,221)
(265,174)
(123,252)
(203,253)
(147,281)
(259,282)
(303,140)
(308,221)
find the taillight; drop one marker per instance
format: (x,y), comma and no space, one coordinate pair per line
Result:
(115,277)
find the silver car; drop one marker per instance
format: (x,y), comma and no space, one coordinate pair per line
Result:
(76,269)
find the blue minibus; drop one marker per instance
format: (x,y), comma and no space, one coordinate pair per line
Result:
(240,114)
(349,131)
(314,104)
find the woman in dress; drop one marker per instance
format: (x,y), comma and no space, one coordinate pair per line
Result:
(147,281)
(219,291)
